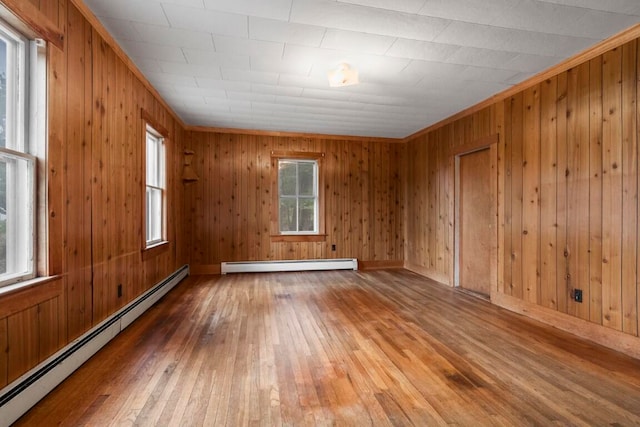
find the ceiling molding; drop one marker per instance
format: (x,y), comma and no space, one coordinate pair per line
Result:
(329,137)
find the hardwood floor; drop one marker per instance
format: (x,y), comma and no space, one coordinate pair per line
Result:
(341,348)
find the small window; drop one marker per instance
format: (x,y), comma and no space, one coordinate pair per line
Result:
(17,162)
(155,188)
(298,196)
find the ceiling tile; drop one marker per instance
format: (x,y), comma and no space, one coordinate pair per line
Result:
(416,49)
(600,25)
(274,9)
(481,57)
(630,7)
(211,57)
(148,11)
(286,32)
(214,83)
(482,74)
(481,12)
(531,63)
(349,17)
(352,41)
(276,90)
(210,21)
(263,63)
(408,6)
(185,69)
(511,40)
(250,76)
(153,51)
(240,46)
(173,36)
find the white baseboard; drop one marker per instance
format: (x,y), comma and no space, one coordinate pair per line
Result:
(292,265)
(19,396)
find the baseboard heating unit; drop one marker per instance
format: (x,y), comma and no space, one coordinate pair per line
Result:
(291,265)
(19,396)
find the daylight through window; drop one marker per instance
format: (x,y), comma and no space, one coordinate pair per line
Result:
(155,191)
(17,164)
(298,196)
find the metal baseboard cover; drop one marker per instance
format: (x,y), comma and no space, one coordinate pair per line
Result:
(19,396)
(289,265)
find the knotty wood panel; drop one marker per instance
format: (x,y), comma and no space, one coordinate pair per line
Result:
(569,165)
(230,205)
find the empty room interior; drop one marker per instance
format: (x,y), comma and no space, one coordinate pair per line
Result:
(319,212)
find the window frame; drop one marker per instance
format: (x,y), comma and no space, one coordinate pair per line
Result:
(151,126)
(299,236)
(25,118)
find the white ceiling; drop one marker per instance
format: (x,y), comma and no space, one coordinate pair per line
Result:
(262,64)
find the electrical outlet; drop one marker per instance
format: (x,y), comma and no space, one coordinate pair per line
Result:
(333,248)
(120,290)
(577,295)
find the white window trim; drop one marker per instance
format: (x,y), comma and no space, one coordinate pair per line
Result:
(28,132)
(297,197)
(149,130)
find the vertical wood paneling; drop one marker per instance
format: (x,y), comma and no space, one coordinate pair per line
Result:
(568,184)
(48,328)
(578,188)
(562,252)
(548,191)
(517,115)
(231,207)
(595,191)
(23,342)
(95,197)
(612,189)
(508,205)
(78,173)
(531,195)
(629,190)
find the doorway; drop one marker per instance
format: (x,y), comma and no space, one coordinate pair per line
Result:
(475,215)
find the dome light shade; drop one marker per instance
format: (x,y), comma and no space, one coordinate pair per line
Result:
(343,75)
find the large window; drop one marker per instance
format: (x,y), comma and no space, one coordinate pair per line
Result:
(298,196)
(17,164)
(155,188)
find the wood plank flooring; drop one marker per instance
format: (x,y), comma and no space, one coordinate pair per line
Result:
(341,348)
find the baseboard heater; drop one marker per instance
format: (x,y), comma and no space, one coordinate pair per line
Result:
(19,396)
(291,265)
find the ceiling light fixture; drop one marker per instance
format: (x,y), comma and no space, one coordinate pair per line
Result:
(343,75)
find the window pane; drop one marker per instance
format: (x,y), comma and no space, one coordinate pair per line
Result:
(288,215)
(154,214)
(287,178)
(307,214)
(306,178)
(16,216)
(152,161)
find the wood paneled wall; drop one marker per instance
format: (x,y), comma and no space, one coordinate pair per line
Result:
(230,206)
(95,191)
(567,191)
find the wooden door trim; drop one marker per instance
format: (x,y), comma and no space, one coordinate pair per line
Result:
(491,143)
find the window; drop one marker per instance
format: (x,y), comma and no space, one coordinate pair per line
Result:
(298,196)
(155,188)
(20,122)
